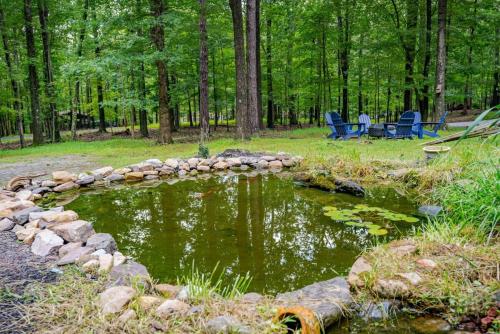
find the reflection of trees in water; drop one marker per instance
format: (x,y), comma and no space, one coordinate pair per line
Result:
(260,224)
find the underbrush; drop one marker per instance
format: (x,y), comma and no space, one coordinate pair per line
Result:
(71,306)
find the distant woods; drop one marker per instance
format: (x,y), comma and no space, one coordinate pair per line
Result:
(241,65)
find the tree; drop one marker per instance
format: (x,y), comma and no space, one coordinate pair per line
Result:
(43,15)
(441,59)
(13,81)
(100,92)
(253,99)
(36,125)
(269,75)
(243,128)
(204,116)
(157,36)
(495,99)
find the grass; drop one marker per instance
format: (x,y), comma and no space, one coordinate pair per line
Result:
(71,306)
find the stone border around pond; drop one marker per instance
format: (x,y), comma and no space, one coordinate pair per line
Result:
(60,232)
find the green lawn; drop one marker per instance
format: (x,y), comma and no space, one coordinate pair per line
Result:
(310,143)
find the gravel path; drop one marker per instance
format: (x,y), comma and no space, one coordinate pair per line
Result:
(70,163)
(18,268)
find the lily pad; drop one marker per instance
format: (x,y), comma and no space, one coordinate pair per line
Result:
(357,224)
(377,231)
(329,208)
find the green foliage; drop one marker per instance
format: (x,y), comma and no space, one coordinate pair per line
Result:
(203,151)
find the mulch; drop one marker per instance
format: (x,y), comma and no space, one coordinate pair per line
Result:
(18,269)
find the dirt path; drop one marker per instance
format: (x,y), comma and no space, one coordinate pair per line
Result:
(18,268)
(71,163)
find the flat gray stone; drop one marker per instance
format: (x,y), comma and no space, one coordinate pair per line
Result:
(86,180)
(129,273)
(74,255)
(114,178)
(225,324)
(115,298)
(349,187)
(22,217)
(102,241)
(41,190)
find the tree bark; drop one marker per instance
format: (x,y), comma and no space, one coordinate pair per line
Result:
(468,74)
(76,106)
(495,98)
(441,59)
(424,98)
(157,36)
(269,75)
(33,77)
(43,14)
(100,93)
(253,99)
(243,128)
(143,114)
(259,68)
(13,82)
(204,116)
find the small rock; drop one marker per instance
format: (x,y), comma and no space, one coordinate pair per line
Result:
(268,158)
(91,266)
(276,164)
(134,176)
(75,255)
(221,165)
(171,306)
(154,162)
(46,242)
(97,253)
(66,187)
(122,171)
(130,273)
(65,249)
(349,187)
(426,263)
(102,241)
(22,217)
(27,235)
(204,169)
(151,177)
(6,224)
(61,177)
(104,171)
(41,190)
(412,277)
(376,311)
(142,167)
(168,290)
(172,163)
(224,325)
(85,180)
(17,228)
(115,298)
(359,267)
(118,258)
(193,172)
(115,177)
(193,163)
(24,195)
(42,214)
(288,163)
(196,310)
(182,173)
(127,316)
(402,247)
(425,325)
(233,162)
(183,294)
(75,231)
(48,183)
(147,303)
(262,164)
(105,263)
(35,223)
(252,297)
(430,210)
(391,288)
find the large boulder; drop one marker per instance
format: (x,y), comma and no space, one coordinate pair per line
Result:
(358,269)
(102,241)
(66,187)
(113,299)
(46,243)
(61,177)
(130,273)
(75,231)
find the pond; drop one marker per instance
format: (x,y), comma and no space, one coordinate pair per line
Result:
(263,224)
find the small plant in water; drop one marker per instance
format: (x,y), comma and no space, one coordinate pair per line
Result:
(202,286)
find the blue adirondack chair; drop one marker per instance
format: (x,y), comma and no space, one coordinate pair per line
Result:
(403,126)
(436,127)
(415,129)
(365,119)
(329,123)
(343,130)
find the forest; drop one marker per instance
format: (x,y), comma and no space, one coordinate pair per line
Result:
(244,65)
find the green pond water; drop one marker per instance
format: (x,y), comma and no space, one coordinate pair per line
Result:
(263,224)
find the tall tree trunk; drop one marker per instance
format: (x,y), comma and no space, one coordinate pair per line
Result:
(424,97)
(143,114)
(204,116)
(495,98)
(158,38)
(468,74)
(441,59)
(269,75)
(344,33)
(33,77)
(259,68)
(216,98)
(360,77)
(253,99)
(43,14)
(76,107)
(243,128)
(13,82)
(100,93)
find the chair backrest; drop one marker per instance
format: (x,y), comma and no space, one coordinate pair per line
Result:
(403,128)
(365,119)
(338,123)
(418,119)
(441,122)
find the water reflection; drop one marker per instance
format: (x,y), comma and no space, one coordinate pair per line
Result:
(247,223)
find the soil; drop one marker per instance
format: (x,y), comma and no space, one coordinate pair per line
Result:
(70,163)
(18,269)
